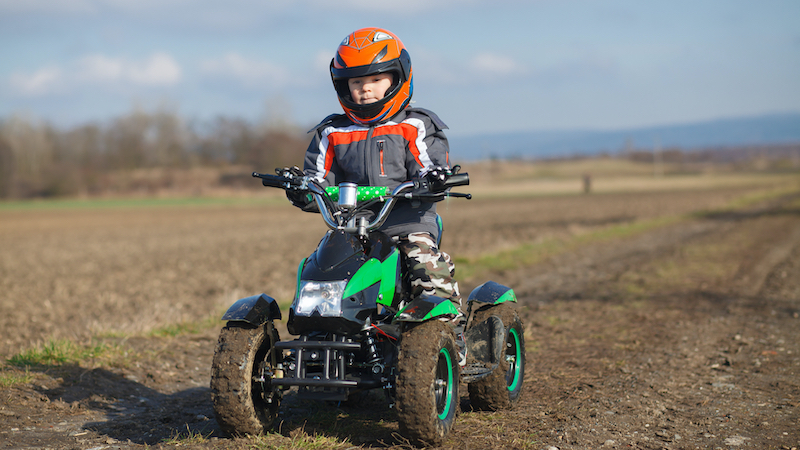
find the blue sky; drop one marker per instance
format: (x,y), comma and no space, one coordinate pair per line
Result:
(482,66)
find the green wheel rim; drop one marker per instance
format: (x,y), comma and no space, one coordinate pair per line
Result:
(513,356)
(443,384)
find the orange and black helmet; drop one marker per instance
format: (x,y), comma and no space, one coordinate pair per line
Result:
(370,51)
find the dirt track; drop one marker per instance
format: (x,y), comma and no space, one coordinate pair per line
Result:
(683,336)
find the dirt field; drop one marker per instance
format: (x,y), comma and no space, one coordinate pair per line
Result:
(655,319)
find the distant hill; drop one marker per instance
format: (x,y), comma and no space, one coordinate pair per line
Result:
(747,131)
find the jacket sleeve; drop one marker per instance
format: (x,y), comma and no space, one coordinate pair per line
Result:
(431,144)
(320,162)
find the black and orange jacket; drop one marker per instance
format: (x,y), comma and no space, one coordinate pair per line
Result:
(384,154)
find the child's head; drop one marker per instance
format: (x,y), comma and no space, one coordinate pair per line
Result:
(371,72)
(370,88)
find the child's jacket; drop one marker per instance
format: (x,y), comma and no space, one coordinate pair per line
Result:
(384,154)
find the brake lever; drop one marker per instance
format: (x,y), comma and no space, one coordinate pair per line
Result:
(459,195)
(434,197)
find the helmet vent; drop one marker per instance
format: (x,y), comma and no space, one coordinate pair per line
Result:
(381,36)
(380,55)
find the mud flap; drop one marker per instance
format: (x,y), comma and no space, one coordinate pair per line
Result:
(255,310)
(484,348)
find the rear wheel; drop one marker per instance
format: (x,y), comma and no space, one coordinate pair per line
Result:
(427,382)
(503,388)
(245,360)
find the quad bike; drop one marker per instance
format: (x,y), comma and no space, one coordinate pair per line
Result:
(359,329)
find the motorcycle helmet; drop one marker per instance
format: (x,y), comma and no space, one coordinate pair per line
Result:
(371,51)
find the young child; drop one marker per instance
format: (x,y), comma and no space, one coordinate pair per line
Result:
(381,141)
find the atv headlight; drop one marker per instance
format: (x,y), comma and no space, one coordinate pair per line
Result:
(322,296)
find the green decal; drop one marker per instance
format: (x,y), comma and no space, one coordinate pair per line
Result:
(389,270)
(366,276)
(516,368)
(435,307)
(449,386)
(299,276)
(509,296)
(443,308)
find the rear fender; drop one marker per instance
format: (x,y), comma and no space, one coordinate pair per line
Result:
(426,308)
(490,293)
(255,310)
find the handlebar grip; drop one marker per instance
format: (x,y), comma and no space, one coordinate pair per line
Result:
(271,180)
(459,179)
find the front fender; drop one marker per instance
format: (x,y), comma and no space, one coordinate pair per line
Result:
(491,293)
(425,308)
(255,310)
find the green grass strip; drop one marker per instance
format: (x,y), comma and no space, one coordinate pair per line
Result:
(57,204)
(188,328)
(300,441)
(58,352)
(528,254)
(13,377)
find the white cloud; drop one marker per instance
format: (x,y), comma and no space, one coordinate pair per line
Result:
(100,68)
(44,81)
(157,70)
(160,69)
(322,60)
(245,70)
(409,8)
(46,6)
(86,6)
(241,9)
(494,64)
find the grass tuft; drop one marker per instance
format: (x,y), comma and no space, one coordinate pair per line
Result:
(63,351)
(300,440)
(187,328)
(57,352)
(190,437)
(13,377)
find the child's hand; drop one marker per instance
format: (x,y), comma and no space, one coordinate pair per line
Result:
(298,198)
(437,177)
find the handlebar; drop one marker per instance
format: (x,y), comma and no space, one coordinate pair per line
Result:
(459,179)
(272,180)
(342,216)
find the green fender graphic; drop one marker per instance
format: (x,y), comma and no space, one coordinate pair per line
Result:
(299,276)
(492,293)
(509,296)
(425,308)
(373,271)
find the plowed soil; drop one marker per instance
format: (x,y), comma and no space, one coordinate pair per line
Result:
(683,333)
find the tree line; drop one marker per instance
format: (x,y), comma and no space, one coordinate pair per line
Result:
(38,159)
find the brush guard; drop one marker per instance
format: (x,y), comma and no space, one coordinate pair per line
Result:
(319,368)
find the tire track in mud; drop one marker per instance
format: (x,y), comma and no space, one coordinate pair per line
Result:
(577,274)
(712,364)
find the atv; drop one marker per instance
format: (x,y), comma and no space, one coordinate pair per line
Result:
(358,328)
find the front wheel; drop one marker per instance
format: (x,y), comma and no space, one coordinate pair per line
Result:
(245,360)
(502,389)
(427,382)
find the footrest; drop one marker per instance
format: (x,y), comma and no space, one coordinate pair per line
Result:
(475,372)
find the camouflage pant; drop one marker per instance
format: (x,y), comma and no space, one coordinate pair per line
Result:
(430,270)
